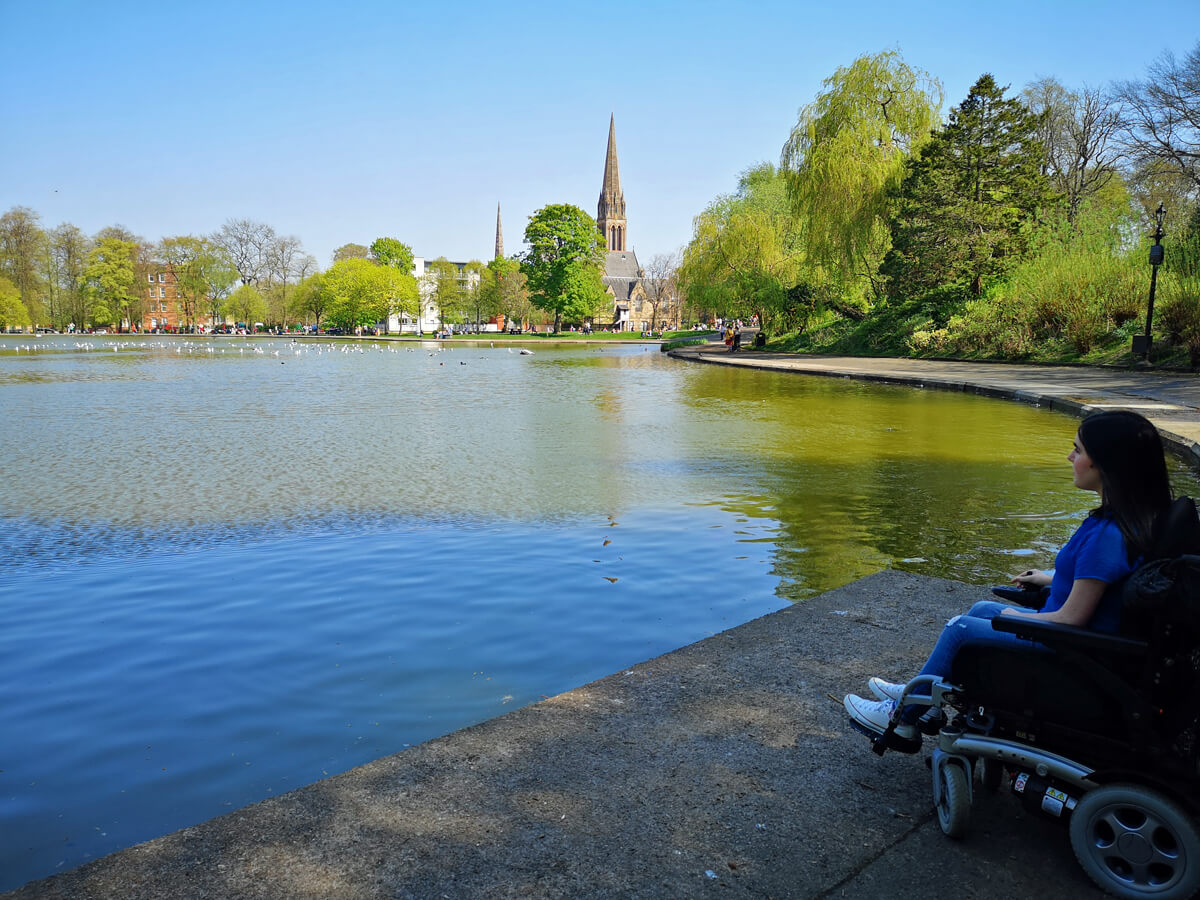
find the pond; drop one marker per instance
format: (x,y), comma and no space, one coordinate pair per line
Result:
(233,567)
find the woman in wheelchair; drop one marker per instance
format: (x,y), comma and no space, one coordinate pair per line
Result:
(1117,454)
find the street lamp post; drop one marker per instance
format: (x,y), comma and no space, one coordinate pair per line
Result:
(1141,342)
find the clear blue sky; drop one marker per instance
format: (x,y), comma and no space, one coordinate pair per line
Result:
(339,123)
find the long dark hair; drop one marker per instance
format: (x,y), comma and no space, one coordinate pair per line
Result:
(1127,450)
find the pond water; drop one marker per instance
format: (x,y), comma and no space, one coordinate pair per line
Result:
(233,567)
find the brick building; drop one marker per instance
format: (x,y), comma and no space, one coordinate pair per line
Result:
(162,302)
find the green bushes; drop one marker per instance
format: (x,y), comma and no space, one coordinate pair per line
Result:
(1081,285)
(1080,296)
(1179,295)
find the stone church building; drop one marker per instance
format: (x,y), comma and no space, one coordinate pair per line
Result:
(629,307)
(622,273)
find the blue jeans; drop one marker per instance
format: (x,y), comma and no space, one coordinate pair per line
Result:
(976,626)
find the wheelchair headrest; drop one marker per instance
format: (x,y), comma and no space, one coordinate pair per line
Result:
(1177,532)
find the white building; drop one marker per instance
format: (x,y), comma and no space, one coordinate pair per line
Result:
(429,319)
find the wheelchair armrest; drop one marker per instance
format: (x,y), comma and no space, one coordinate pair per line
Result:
(1032,597)
(1053,634)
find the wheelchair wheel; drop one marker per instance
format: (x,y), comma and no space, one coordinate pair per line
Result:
(954,809)
(1135,842)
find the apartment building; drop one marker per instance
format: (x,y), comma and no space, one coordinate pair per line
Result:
(162,302)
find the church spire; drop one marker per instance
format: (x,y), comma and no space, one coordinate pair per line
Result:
(499,235)
(610,212)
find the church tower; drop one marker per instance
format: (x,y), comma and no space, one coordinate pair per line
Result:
(499,236)
(610,212)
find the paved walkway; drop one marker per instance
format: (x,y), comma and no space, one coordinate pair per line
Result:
(1170,400)
(724,769)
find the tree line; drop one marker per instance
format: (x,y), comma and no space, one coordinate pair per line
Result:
(247,273)
(1013,227)
(244,272)
(60,276)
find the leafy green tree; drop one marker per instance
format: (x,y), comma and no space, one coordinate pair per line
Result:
(390,252)
(67,248)
(969,199)
(583,295)
(350,251)
(565,251)
(1155,181)
(745,254)
(22,245)
(844,156)
(360,293)
(246,305)
(202,270)
(475,302)
(444,289)
(503,290)
(13,313)
(311,298)
(142,258)
(108,279)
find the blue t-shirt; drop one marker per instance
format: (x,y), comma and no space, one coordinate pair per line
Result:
(1096,550)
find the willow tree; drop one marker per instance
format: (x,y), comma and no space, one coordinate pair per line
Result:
(844,155)
(745,257)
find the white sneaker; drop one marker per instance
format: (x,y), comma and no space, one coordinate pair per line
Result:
(875,715)
(886,690)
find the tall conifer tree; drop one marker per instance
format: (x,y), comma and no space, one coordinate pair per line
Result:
(969,199)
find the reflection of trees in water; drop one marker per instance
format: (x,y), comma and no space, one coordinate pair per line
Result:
(863,477)
(842,522)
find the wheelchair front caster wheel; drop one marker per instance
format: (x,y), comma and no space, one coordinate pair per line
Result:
(954,807)
(1136,842)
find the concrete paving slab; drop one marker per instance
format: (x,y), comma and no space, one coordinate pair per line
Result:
(725,768)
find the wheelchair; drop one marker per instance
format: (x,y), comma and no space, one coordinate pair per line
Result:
(1101,731)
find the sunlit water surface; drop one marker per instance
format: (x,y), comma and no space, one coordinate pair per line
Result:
(233,567)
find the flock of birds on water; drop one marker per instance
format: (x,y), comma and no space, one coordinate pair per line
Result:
(296,348)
